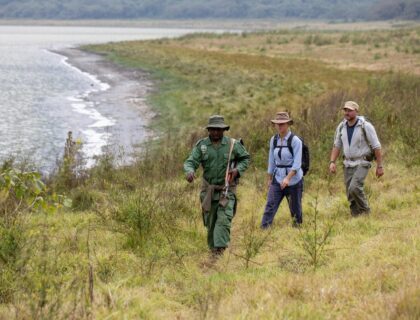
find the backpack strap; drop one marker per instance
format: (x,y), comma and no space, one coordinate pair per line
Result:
(289,143)
(372,156)
(340,128)
(364,134)
(275,140)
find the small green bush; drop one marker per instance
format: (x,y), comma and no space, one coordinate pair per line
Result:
(359,41)
(82,199)
(136,216)
(322,41)
(283,41)
(105,268)
(7,284)
(10,243)
(308,40)
(377,56)
(345,38)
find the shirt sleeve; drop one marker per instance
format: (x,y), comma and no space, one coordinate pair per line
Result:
(271,162)
(338,143)
(297,153)
(242,157)
(193,161)
(372,136)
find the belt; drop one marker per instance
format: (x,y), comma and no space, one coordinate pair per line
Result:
(357,158)
(209,190)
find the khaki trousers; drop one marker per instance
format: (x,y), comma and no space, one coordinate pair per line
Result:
(354,178)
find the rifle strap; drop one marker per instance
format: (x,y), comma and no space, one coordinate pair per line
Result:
(232,143)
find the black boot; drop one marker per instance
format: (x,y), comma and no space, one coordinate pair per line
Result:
(216,253)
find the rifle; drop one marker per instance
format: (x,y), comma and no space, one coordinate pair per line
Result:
(231,165)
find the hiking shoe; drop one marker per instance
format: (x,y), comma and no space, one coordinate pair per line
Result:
(361,213)
(217,252)
(296,225)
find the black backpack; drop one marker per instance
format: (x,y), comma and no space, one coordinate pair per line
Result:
(305,151)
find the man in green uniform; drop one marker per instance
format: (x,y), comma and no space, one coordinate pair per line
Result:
(217,195)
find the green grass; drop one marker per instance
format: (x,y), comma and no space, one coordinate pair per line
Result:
(133,246)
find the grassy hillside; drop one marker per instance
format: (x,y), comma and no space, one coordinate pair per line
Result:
(133,245)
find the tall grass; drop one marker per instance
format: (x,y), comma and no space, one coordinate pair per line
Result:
(133,244)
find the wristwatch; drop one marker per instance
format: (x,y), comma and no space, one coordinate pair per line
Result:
(331,161)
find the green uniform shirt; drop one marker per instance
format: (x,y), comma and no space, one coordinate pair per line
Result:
(214,157)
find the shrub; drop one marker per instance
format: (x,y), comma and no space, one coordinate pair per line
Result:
(53,284)
(71,170)
(252,237)
(345,38)
(359,41)
(315,235)
(11,240)
(19,192)
(283,41)
(322,41)
(308,40)
(136,215)
(7,284)
(82,199)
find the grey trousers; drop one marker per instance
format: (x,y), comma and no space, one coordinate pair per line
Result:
(354,178)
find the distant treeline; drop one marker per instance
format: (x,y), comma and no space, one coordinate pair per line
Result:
(222,9)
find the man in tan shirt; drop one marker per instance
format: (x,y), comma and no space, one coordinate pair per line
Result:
(360,144)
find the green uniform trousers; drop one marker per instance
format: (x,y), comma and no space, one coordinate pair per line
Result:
(218,222)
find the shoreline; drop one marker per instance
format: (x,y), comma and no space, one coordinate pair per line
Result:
(123,102)
(241,24)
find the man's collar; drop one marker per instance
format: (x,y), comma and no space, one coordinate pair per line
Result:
(207,141)
(357,123)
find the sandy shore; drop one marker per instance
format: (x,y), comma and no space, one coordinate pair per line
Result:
(226,24)
(124,102)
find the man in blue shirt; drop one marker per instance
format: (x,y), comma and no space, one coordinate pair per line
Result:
(285,176)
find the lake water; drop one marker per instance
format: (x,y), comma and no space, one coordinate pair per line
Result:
(42,96)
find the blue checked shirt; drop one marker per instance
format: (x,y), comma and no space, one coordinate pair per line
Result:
(286,159)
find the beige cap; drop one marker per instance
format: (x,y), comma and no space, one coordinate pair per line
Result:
(351,105)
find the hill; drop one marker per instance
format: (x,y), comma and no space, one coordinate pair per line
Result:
(220,9)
